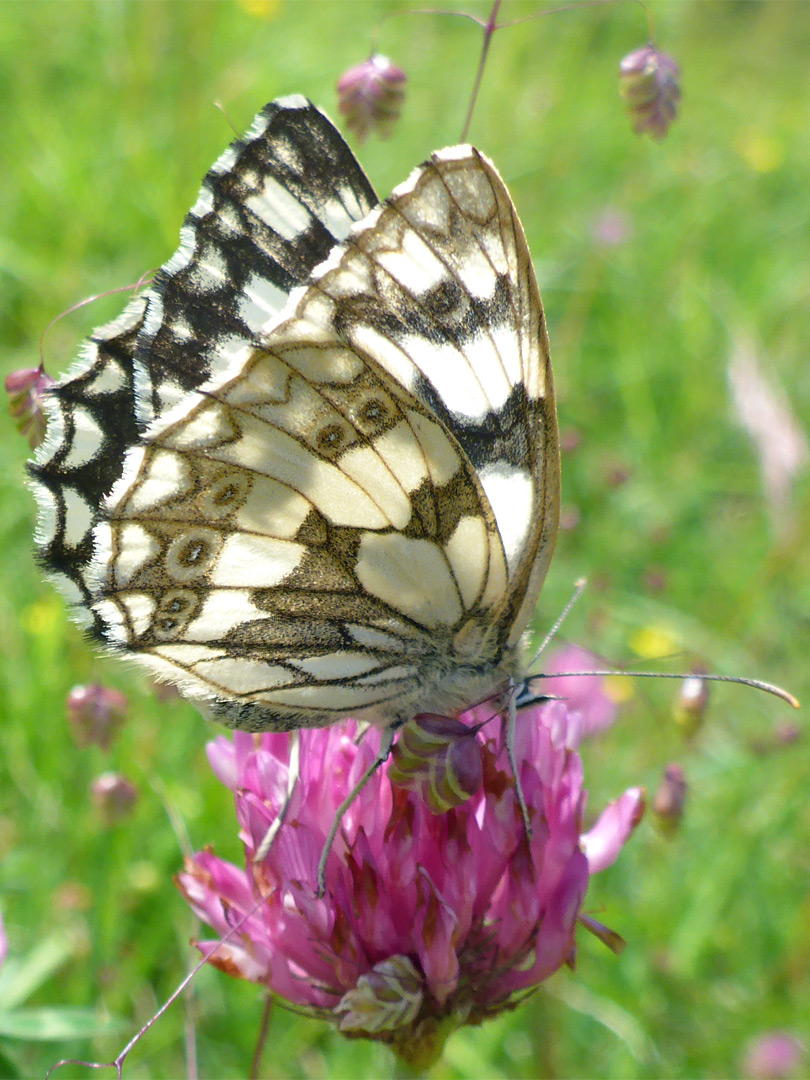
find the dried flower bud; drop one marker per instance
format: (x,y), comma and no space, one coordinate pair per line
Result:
(669,800)
(648,83)
(95,714)
(113,796)
(440,759)
(370,96)
(25,389)
(388,997)
(691,704)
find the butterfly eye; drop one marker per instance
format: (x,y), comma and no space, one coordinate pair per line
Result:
(330,440)
(224,495)
(191,554)
(372,415)
(174,611)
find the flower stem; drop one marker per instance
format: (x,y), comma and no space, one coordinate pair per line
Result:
(489,29)
(261,1038)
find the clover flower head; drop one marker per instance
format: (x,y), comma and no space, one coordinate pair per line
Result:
(430,920)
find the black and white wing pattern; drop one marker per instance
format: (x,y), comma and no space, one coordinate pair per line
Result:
(352,512)
(270,209)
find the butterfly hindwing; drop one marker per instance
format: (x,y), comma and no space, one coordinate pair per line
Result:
(449,306)
(347,518)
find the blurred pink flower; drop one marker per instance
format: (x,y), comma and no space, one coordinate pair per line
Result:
(95,714)
(775,1055)
(649,85)
(113,797)
(612,228)
(3,942)
(764,410)
(370,96)
(26,389)
(429,921)
(669,800)
(584,695)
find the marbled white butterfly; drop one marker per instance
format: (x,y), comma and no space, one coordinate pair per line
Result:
(313,471)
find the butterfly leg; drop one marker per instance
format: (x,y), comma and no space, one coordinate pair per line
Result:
(292,780)
(386,743)
(510,753)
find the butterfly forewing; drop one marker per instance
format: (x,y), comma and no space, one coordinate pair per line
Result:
(346,519)
(271,208)
(91,424)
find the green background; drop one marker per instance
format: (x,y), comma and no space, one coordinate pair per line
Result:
(107,128)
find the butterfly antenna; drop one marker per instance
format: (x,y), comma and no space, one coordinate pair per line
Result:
(579,588)
(757,684)
(381,758)
(224,111)
(83,303)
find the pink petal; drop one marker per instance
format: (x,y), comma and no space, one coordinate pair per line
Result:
(612,831)
(584,694)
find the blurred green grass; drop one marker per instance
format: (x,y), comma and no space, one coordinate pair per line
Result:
(107,129)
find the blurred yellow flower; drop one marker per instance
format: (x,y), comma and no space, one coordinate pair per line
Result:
(42,618)
(619,688)
(260,9)
(144,876)
(763,153)
(654,642)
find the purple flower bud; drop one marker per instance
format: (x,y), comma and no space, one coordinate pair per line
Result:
(370,96)
(26,389)
(95,714)
(440,758)
(648,83)
(670,799)
(113,797)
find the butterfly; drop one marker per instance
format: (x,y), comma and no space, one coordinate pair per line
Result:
(313,471)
